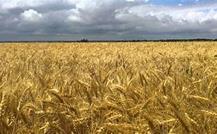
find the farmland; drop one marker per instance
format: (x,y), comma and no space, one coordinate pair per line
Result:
(135,88)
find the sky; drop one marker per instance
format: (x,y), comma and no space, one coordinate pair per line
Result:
(107,19)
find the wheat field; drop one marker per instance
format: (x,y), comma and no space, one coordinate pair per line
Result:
(108,88)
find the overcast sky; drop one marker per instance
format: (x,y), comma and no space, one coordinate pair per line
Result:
(108,18)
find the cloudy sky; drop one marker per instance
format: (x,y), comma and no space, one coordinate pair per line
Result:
(107,19)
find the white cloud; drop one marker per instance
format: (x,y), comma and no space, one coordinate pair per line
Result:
(162,19)
(31,16)
(130,0)
(75,16)
(9,4)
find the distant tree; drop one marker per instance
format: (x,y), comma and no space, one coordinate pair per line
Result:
(84,40)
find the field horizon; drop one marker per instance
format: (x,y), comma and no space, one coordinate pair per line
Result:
(84,40)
